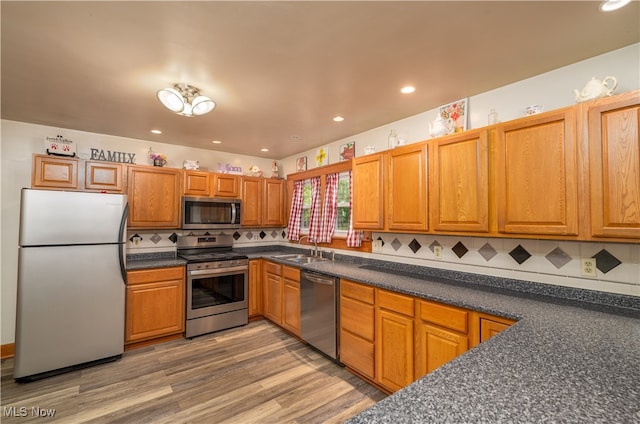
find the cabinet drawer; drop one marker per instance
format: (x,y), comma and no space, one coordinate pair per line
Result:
(357,317)
(154,275)
(291,273)
(445,316)
(357,291)
(273,268)
(396,302)
(357,353)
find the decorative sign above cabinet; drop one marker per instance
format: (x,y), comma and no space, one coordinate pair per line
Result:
(109,156)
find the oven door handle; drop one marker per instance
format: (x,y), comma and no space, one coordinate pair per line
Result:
(217,271)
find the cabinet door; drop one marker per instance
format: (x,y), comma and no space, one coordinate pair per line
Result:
(154,303)
(437,347)
(272,292)
(489,328)
(154,197)
(197,183)
(54,172)
(273,203)
(251,213)
(105,176)
(614,152)
(226,185)
(459,182)
(407,188)
(255,288)
(291,299)
(368,192)
(394,350)
(536,175)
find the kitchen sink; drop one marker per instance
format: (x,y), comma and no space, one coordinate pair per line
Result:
(300,258)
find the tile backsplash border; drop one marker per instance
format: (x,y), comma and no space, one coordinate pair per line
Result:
(552,262)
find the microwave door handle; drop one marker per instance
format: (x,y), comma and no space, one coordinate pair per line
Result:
(233,213)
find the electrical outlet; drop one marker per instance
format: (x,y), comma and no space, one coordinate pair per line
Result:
(437,252)
(588,267)
(376,246)
(136,241)
(256,236)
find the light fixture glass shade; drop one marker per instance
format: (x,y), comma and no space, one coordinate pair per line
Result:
(171,99)
(611,5)
(201,105)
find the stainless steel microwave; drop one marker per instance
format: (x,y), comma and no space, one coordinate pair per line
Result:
(203,213)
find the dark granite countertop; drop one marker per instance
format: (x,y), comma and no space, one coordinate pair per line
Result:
(153,260)
(572,357)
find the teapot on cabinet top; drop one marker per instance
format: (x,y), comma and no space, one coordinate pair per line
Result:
(596,88)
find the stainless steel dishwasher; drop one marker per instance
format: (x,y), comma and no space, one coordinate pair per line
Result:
(318,312)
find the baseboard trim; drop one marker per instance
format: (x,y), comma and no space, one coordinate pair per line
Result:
(7,350)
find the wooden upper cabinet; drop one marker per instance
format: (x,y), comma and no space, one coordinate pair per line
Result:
(104,176)
(263,202)
(459,182)
(537,174)
(273,203)
(407,188)
(368,192)
(614,166)
(154,197)
(197,183)
(226,185)
(54,172)
(251,213)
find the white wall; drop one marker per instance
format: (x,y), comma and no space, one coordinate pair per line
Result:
(552,90)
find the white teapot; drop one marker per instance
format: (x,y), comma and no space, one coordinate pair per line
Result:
(596,88)
(438,127)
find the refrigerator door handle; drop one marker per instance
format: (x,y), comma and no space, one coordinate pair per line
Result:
(121,244)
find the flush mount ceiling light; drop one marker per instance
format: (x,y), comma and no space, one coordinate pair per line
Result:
(610,5)
(185,100)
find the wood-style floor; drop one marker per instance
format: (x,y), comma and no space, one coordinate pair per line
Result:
(251,374)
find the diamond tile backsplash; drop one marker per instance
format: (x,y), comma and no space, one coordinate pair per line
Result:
(543,261)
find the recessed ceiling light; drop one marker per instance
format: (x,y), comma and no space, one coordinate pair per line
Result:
(611,5)
(407,90)
(217,142)
(156,131)
(338,119)
(264,150)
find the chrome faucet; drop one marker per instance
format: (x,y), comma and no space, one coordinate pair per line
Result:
(314,251)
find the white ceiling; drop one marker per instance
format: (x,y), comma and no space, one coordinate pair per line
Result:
(280,69)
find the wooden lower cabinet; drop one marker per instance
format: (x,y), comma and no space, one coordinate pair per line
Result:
(255,288)
(155,303)
(281,295)
(393,339)
(394,347)
(272,291)
(291,299)
(357,327)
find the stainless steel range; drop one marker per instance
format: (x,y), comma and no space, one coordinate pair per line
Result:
(217,284)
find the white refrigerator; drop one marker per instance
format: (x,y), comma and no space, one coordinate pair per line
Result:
(71,281)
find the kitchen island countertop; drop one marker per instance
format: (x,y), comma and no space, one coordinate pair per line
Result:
(563,361)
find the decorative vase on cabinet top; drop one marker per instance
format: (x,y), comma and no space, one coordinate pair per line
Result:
(438,127)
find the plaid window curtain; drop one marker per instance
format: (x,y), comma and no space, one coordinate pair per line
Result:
(293,231)
(316,212)
(354,238)
(329,209)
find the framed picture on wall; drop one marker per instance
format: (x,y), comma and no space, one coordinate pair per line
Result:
(348,151)
(455,116)
(322,156)
(301,164)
